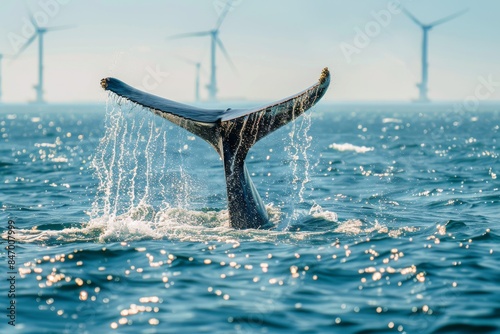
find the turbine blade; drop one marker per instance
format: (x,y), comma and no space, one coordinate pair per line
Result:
(413,18)
(70,26)
(203,70)
(226,54)
(33,21)
(223,14)
(32,18)
(448,18)
(187,60)
(25,45)
(192,34)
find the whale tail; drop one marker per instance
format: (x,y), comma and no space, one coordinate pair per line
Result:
(231,132)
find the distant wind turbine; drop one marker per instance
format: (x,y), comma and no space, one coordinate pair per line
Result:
(39,32)
(197,77)
(215,42)
(423,85)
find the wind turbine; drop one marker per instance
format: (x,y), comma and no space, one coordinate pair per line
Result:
(215,42)
(199,69)
(39,33)
(197,78)
(197,82)
(422,86)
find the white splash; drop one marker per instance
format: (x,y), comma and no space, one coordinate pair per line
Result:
(350,147)
(125,162)
(391,120)
(300,142)
(144,223)
(357,227)
(317,211)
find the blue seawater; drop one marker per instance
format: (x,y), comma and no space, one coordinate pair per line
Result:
(383,222)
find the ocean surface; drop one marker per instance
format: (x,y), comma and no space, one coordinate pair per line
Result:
(382,222)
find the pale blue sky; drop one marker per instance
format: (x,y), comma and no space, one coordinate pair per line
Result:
(278,47)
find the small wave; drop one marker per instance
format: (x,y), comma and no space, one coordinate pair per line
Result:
(356,227)
(51,145)
(391,120)
(317,211)
(350,147)
(59,159)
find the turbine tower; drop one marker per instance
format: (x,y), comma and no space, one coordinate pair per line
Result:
(39,33)
(423,85)
(198,68)
(215,42)
(197,80)
(197,83)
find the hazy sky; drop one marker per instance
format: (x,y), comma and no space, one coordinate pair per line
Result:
(278,47)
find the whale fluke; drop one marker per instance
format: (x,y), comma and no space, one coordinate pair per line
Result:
(231,132)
